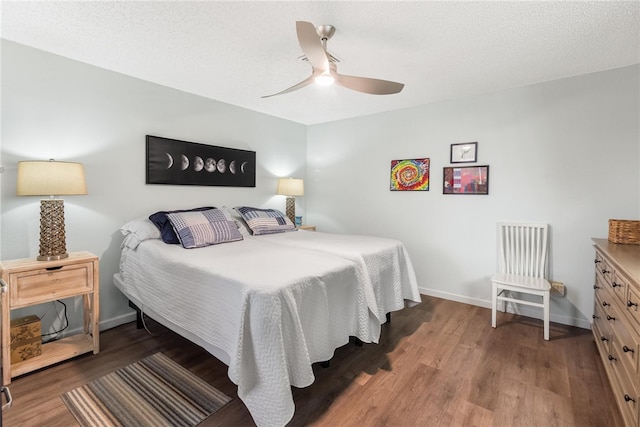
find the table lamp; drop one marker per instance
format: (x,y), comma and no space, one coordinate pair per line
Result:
(291,188)
(51,178)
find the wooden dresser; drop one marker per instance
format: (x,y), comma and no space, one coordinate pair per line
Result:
(616,322)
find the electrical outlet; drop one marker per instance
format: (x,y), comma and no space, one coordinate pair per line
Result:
(557,288)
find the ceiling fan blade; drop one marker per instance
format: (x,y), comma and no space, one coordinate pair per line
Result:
(368,85)
(297,86)
(311,45)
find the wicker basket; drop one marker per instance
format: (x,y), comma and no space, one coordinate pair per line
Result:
(624,231)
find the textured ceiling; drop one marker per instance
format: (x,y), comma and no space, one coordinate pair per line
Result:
(235,52)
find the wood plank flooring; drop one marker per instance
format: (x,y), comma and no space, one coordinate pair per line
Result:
(437,364)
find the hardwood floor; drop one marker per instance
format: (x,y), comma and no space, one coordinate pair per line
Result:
(438,364)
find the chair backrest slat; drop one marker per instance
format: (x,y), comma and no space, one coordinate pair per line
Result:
(523,248)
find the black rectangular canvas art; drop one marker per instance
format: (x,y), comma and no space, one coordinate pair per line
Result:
(171,161)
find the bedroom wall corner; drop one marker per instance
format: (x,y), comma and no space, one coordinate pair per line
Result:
(55,107)
(566,152)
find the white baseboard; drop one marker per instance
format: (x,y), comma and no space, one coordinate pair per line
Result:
(104,324)
(117,321)
(522,310)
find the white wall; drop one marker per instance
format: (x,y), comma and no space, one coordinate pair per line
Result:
(565,152)
(53,107)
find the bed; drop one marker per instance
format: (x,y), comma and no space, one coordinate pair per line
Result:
(265,305)
(384,263)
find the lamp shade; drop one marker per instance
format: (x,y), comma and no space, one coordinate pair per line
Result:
(290,187)
(50,178)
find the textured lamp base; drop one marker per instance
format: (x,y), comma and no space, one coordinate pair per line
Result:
(52,233)
(291,209)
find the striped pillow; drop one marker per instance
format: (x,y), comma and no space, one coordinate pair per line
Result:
(204,228)
(166,230)
(265,221)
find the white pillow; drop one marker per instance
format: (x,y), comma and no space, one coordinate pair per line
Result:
(137,231)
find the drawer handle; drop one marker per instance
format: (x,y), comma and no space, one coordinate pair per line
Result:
(605,271)
(596,261)
(596,287)
(612,358)
(603,339)
(4,287)
(627,349)
(595,317)
(628,398)
(616,285)
(631,304)
(610,317)
(604,304)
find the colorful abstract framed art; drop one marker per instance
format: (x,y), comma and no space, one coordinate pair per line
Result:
(410,175)
(465,180)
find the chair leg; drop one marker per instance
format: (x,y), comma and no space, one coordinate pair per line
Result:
(545,301)
(494,303)
(504,305)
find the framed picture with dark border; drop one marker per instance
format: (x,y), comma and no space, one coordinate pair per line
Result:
(465,180)
(409,175)
(175,162)
(464,153)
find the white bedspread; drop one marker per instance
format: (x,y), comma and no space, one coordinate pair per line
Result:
(390,277)
(274,310)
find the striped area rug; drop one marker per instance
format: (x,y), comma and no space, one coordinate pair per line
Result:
(154,391)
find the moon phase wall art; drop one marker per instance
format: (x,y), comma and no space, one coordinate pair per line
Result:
(171,161)
(410,175)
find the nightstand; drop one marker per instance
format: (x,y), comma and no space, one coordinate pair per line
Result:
(307,227)
(28,282)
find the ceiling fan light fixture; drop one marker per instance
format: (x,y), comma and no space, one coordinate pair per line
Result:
(324,72)
(325,79)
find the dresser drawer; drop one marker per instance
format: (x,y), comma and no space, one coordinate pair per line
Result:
(600,288)
(633,306)
(605,303)
(604,270)
(602,334)
(627,347)
(601,323)
(626,393)
(620,286)
(49,284)
(599,262)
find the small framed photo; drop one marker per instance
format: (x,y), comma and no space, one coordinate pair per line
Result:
(464,153)
(465,180)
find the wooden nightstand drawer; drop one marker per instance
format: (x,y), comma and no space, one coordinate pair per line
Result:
(49,284)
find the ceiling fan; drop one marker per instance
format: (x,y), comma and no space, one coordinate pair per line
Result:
(313,42)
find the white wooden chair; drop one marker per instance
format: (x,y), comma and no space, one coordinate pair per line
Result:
(522,267)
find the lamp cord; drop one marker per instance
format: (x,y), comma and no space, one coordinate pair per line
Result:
(66,322)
